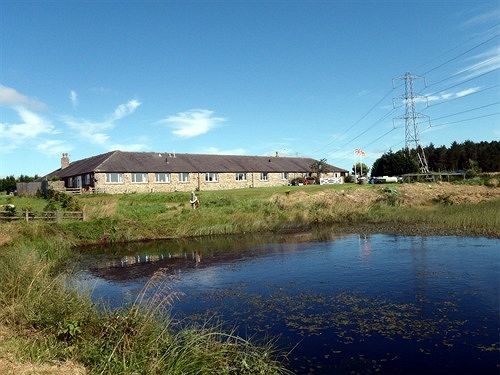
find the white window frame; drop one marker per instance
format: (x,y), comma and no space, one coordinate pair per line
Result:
(211,177)
(87,179)
(70,182)
(165,175)
(284,175)
(118,175)
(240,176)
(182,175)
(264,176)
(143,179)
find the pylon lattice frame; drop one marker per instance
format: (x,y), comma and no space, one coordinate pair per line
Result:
(412,134)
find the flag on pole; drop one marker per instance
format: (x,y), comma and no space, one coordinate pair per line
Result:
(359,152)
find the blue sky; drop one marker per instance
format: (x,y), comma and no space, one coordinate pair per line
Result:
(238,77)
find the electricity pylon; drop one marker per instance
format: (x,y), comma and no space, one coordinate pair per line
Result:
(412,134)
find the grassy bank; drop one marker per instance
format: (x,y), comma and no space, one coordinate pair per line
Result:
(49,322)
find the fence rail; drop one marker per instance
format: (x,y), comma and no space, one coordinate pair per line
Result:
(46,215)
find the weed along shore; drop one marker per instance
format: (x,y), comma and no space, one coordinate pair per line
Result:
(44,322)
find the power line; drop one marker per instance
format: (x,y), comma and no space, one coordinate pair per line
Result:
(467,110)
(460,55)
(463,96)
(450,115)
(356,122)
(460,73)
(438,125)
(382,136)
(462,82)
(454,48)
(464,120)
(370,127)
(428,71)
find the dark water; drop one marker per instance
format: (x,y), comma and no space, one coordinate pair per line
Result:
(340,303)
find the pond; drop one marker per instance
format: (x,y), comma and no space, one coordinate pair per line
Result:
(342,303)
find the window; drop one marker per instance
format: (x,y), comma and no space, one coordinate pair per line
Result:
(70,182)
(263,176)
(211,177)
(114,178)
(139,178)
(241,176)
(87,179)
(284,176)
(162,178)
(183,177)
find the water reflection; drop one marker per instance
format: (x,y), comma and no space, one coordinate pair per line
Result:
(348,302)
(138,260)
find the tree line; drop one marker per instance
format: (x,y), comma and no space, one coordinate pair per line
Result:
(467,156)
(8,184)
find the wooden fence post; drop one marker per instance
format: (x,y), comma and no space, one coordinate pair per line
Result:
(27,216)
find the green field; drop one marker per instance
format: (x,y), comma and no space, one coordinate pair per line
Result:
(49,322)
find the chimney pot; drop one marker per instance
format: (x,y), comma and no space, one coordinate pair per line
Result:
(64,160)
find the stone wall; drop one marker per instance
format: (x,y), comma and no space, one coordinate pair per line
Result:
(31,188)
(196,182)
(28,188)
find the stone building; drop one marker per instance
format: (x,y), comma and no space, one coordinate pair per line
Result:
(126,172)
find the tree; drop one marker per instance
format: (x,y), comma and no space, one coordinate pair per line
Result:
(319,167)
(8,184)
(472,168)
(395,164)
(360,169)
(485,157)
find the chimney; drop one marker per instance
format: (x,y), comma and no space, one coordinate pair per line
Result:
(64,160)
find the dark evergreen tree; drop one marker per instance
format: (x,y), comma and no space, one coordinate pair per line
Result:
(484,156)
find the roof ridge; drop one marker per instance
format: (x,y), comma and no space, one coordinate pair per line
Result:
(205,154)
(111,153)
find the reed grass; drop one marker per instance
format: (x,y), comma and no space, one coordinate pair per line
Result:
(52,322)
(55,323)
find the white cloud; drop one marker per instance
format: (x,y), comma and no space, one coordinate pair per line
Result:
(73,96)
(217,151)
(32,125)
(493,15)
(193,123)
(488,61)
(97,132)
(437,96)
(53,147)
(89,130)
(124,110)
(466,92)
(12,98)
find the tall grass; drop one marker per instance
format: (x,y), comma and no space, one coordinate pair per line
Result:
(53,322)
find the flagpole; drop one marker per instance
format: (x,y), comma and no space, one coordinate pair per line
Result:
(355,175)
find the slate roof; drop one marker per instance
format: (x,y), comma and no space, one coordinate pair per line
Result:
(123,161)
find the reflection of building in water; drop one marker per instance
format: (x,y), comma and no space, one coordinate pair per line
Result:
(129,260)
(365,247)
(174,256)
